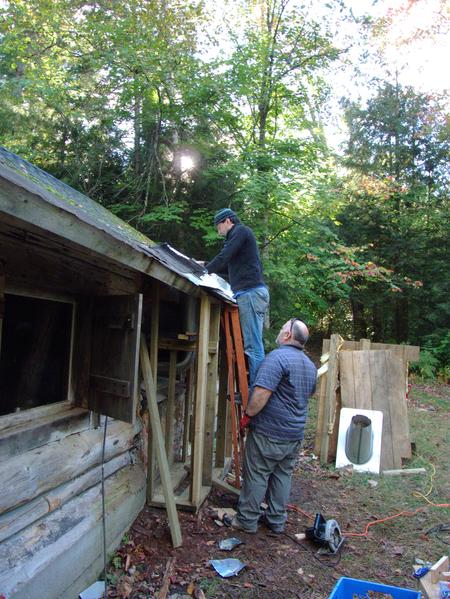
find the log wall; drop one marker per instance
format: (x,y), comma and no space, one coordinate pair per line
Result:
(50,506)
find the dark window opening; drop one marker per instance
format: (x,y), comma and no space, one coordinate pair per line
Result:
(35,353)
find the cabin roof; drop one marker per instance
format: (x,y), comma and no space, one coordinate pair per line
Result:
(60,195)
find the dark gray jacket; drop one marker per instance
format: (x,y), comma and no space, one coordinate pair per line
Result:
(239,258)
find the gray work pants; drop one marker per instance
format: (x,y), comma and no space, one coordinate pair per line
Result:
(268,467)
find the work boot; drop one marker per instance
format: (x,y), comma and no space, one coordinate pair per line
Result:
(238,526)
(277,530)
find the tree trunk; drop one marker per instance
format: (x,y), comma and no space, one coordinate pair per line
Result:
(377,322)
(401,319)
(359,321)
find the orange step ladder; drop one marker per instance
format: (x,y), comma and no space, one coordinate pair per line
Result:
(237,382)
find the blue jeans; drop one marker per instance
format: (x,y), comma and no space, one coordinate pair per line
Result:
(253,306)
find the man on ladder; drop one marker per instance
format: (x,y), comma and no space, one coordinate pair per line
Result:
(239,258)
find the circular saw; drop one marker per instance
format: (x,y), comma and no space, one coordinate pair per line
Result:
(326,533)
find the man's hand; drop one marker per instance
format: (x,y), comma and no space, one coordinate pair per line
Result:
(201,262)
(244,423)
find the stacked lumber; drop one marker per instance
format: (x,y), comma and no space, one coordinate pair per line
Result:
(369,376)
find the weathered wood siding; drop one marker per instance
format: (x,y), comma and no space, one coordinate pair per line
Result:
(50,507)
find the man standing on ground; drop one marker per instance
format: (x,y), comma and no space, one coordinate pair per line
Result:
(276,415)
(239,257)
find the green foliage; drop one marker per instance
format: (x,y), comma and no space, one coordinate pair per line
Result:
(427,365)
(434,357)
(395,204)
(111,97)
(173,213)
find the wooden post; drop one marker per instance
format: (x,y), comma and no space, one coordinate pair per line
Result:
(330,397)
(170,411)
(364,343)
(150,389)
(333,437)
(211,395)
(151,451)
(222,409)
(228,438)
(2,300)
(320,413)
(200,401)
(188,400)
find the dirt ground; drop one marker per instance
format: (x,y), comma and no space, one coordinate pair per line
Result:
(281,566)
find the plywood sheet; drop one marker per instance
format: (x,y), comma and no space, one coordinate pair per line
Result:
(374,380)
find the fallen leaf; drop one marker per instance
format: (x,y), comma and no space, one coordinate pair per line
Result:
(125,588)
(191,588)
(127,562)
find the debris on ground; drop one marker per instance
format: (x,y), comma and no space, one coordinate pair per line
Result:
(229,544)
(287,566)
(227,567)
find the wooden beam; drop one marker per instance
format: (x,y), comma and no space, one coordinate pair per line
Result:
(181,345)
(29,416)
(437,568)
(333,438)
(62,554)
(222,409)
(2,300)
(211,397)
(408,353)
(405,472)
(170,407)
(330,397)
(179,471)
(26,476)
(150,389)
(320,413)
(22,517)
(200,401)
(41,431)
(224,486)
(154,340)
(182,501)
(188,401)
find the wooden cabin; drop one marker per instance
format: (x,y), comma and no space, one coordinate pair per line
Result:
(79,290)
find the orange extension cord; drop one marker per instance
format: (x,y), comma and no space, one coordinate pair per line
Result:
(366,531)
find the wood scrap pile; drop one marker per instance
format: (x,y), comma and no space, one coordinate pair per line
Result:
(369,376)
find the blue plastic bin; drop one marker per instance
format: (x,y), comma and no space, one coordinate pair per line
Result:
(346,588)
